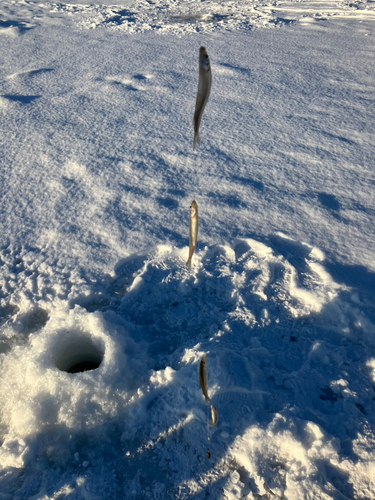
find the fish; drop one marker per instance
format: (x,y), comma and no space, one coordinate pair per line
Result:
(193,231)
(208,454)
(204,89)
(214,416)
(203,378)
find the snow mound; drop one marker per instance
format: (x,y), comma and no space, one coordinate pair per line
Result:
(277,330)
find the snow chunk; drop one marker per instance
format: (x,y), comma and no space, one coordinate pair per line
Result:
(163,377)
(371,366)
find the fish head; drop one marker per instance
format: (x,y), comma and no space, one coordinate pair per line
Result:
(193,208)
(204,60)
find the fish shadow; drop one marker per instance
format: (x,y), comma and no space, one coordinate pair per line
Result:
(240,69)
(258,185)
(169,203)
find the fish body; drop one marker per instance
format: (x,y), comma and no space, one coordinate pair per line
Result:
(203,378)
(204,88)
(193,231)
(214,416)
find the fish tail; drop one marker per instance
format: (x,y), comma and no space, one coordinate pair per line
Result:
(196,140)
(188,263)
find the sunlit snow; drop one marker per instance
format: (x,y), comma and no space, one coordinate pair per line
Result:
(102,326)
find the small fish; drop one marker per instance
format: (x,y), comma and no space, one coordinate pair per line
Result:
(204,88)
(193,231)
(203,377)
(208,454)
(214,416)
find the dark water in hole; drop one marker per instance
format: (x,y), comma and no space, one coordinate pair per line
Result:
(84,366)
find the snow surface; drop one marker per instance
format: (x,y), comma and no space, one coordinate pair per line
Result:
(97,176)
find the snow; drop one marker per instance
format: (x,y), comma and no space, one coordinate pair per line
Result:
(97,176)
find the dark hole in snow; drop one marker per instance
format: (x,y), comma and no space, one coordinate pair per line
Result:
(77,352)
(84,366)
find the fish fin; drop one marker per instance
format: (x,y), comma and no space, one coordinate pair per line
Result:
(196,140)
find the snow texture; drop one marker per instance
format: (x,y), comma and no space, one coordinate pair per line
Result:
(102,326)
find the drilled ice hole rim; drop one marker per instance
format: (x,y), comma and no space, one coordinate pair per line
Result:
(77,352)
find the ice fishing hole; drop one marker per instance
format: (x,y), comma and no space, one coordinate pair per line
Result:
(76,352)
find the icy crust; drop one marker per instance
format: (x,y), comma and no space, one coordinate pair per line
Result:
(290,355)
(171,16)
(179,16)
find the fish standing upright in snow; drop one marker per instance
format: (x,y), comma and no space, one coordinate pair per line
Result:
(214,416)
(204,88)
(193,231)
(203,377)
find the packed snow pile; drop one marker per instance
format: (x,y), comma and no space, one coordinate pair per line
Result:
(289,370)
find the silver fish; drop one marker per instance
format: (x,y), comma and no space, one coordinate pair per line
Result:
(214,416)
(204,88)
(203,378)
(193,231)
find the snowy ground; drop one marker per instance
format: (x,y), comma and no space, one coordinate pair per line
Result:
(97,174)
